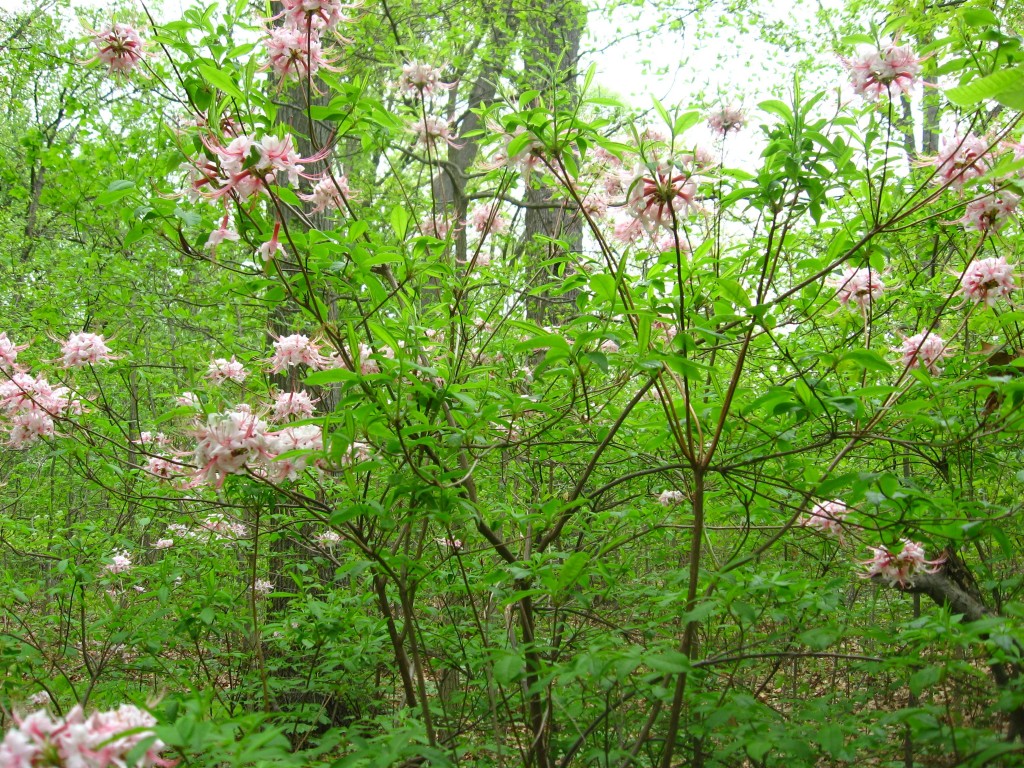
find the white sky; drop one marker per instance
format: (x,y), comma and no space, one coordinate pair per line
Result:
(732,63)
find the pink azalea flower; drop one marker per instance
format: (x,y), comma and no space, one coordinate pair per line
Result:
(449,543)
(900,569)
(220,234)
(262,587)
(989,213)
(220,527)
(226,444)
(222,370)
(329,193)
(432,227)
(479,260)
(986,280)
(298,404)
(305,438)
(609,347)
(247,165)
(628,232)
(272,247)
(422,80)
(357,453)
(894,67)
(671,498)
(328,539)
(119,563)
(119,47)
(924,350)
(314,14)
(487,220)
(430,130)
(28,427)
(278,154)
(187,400)
(23,392)
(9,353)
(235,155)
(163,544)
(294,53)
(859,286)
(726,119)
(658,195)
(297,349)
(103,739)
(961,159)
(827,517)
(85,349)
(162,468)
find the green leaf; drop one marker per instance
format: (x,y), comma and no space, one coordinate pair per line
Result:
(136,233)
(830,737)
(221,80)
(867,359)
(998,85)
(599,359)
(776,107)
(924,678)
(116,191)
(330,376)
(980,17)
(508,667)
(572,569)
(399,221)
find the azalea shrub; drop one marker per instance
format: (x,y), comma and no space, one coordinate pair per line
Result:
(509,426)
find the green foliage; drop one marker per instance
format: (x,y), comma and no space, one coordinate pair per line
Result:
(561,502)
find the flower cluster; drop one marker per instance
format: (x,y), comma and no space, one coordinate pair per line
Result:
(297,350)
(232,442)
(222,370)
(119,563)
(487,220)
(430,130)
(295,49)
(328,539)
(214,526)
(960,159)
(119,47)
(889,69)
(989,213)
(859,286)
(101,740)
(985,280)
(726,119)
(900,568)
(226,444)
(329,193)
(288,404)
(827,517)
(9,354)
(314,14)
(671,498)
(31,404)
(245,166)
(294,53)
(659,195)
(85,349)
(924,350)
(421,80)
